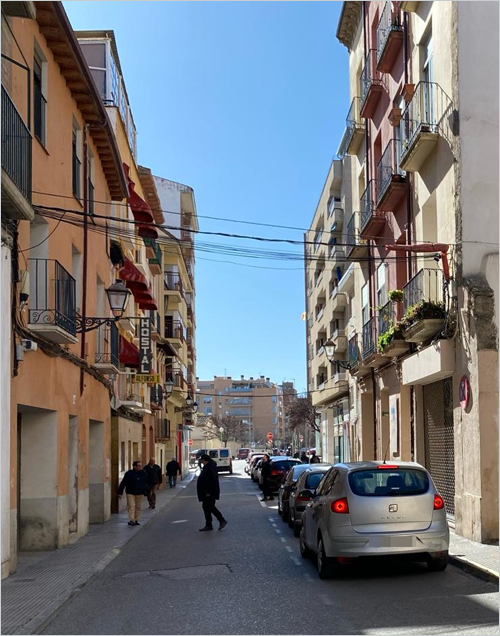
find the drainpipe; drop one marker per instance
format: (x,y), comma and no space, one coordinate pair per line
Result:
(85,254)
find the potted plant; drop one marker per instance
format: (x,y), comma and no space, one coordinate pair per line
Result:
(422,320)
(396,295)
(387,338)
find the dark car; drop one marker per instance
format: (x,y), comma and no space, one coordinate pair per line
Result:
(287,487)
(279,469)
(243,453)
(305,491)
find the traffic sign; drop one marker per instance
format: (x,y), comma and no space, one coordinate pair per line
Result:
(190,442)
(269,435)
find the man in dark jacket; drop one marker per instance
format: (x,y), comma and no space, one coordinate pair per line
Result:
(173,469)
(266,474)
(135,484)
(155,479)
(208,490)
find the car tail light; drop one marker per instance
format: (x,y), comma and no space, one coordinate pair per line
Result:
(299,498)
(391,467)
(275,472)
(340,506)
(438,502)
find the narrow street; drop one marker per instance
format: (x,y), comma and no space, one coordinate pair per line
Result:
(250,579)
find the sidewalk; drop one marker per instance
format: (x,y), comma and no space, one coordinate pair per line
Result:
(44,581)
(477,558)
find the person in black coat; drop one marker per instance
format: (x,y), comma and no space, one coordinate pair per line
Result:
(135,484)
(172,469)
(208,490)
(155,479)
(266,474)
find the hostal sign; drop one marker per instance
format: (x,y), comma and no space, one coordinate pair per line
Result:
(145,346)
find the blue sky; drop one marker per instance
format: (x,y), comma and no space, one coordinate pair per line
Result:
(245,102)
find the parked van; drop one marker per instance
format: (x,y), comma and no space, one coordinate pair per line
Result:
(222,457)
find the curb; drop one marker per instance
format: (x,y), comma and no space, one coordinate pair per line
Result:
(43,618)
(471,567)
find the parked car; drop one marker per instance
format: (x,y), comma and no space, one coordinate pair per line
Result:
(242,453)
(304,492)
(287,487)
(279,469)
(253,464)
(222,457)
(365,509)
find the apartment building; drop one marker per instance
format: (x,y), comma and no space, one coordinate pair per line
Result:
(178,210)
(424,352)
(256,402)
(58,151)
(330,287)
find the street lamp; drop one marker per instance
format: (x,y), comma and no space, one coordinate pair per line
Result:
(168,387)
(329,347)
(118,296)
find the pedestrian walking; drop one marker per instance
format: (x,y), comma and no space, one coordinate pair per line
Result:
(172,470)
(155,479)
(135,484)
(314,458)
(303,458)
(208,490)
(266,474)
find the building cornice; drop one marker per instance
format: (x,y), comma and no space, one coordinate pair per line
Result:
(348,23)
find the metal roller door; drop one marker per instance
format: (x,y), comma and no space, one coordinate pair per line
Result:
(440,439)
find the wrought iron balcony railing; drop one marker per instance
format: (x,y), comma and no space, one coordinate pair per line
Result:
(388,168)
(370,76)
(427,285)
(173,282)
(16,146)
(52,298)
(353,351)
(369,338)
(425,112)
(174,329)
(354,125)
(388,23)
(367,200)
(386,317)
(107,349)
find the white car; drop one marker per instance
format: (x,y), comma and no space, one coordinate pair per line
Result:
(222,457)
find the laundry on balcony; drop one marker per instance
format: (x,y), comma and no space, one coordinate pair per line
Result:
(128,353)
(140,209)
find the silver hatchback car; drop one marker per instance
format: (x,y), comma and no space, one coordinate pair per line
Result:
(364,509)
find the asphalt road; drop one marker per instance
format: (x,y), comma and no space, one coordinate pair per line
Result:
(250,579)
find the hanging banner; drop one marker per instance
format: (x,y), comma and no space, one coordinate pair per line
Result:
(145,346)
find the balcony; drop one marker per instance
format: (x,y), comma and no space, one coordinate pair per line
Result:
(52,301)
(424,309)
(422,124)
(172,285)
(137,403)
(371,85)
(153,252)
(390,341)
(372,219)
(190,316)
(353,353)
(174,331)
(336,252)
(369,352)
(318,277)
(162,428)
(319,311)
(156,397)
(391,179)
(389,38)
(354,133)
(410,6)
(338,301)
(16,163)
(107,350)
(155,326)
(356,247)
(339,339)
(317,239)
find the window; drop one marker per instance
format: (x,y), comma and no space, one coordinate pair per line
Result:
(389,482)
(381,288)
(224,453)
(207,400)
(39,95)
(365,309)
(90,179)
(76,161)
(328,481)
(312,481)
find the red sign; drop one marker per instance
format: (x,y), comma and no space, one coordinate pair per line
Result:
(190,442)
(464,392)
(269,435)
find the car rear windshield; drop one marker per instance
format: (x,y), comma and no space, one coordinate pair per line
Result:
(313,480)
(284,464)
(389,482)
(224,452)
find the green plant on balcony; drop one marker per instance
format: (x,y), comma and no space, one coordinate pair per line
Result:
(393,333)
(425,309)
(396,296)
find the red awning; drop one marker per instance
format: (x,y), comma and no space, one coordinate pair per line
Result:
(133,278)
(128,353)
(147,231)
(149,304)
(141,210)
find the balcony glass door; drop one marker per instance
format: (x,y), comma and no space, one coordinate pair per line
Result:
(428,78)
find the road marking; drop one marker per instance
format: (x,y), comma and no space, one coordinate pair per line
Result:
(277,531)
(180,521)
(289,548)
(283,539)
(262,503)
(296,560)
(308,577)
(326,599)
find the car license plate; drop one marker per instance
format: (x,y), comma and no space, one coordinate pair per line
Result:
(392,542)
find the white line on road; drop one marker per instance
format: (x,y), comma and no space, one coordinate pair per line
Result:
(180,521)
(326,599)
(283,539)
(262,503)
(296,560)
(289,548)
(277,531)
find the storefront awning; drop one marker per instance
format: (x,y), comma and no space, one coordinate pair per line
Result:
(128,353)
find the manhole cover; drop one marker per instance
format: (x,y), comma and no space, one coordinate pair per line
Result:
(177,574)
